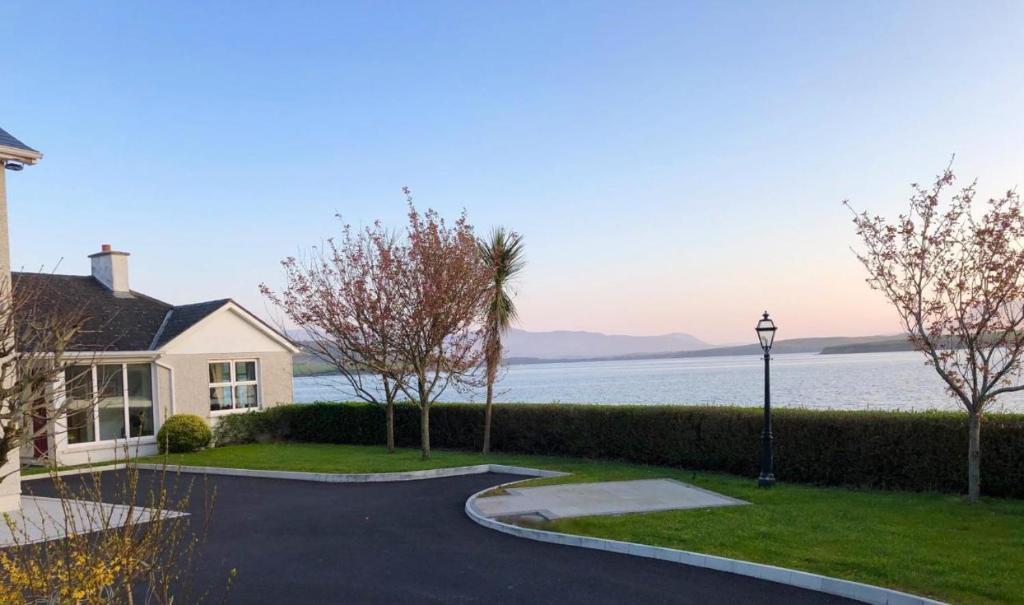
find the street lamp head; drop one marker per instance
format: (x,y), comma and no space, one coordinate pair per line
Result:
(766,332)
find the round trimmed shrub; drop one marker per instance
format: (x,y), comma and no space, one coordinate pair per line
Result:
(183,433)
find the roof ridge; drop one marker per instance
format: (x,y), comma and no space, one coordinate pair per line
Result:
(91,278)
(51,274)
(148,297)
(222,301)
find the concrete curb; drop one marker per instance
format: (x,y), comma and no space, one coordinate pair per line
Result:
(801,579)
(454,471)
(78,471)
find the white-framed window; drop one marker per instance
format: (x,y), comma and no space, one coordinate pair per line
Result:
(234,385)
(108,401)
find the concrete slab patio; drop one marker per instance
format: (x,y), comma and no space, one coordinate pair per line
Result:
(41,519)
(606,498)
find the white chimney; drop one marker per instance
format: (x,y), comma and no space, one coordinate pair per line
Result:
(110,267)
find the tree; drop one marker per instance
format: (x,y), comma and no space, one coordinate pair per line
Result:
(37,347)
(502,254)
(441,294)
(345,300)
(956,278)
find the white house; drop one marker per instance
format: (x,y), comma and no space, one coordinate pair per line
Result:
(141,360)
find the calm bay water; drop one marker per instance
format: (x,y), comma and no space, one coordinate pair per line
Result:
(881,381)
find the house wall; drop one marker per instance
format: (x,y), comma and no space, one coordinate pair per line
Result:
(181,380)
(192,379)
(226,335)
(190,395)
(10,487)
(105,451)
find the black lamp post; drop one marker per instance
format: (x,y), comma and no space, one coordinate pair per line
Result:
(766,334)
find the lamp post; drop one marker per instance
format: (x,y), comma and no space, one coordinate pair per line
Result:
(766,334)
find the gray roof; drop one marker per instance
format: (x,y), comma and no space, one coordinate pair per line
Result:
(113,323)
(184,317)
(6,140)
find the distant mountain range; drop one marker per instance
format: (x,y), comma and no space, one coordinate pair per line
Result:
(566,344)
(887,345)
(525,347)
(824,345)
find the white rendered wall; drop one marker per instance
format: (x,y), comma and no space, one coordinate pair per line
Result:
(223,332)
(10,488)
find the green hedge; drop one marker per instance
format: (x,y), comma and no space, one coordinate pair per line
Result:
(885,450)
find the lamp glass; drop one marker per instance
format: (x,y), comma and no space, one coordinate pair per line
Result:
(766,332)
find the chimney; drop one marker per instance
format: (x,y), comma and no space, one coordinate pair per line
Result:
(110,267)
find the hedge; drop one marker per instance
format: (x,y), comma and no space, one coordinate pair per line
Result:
(183,433)
(918,451)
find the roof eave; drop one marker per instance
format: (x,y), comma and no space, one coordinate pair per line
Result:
(25,156)
(109,354)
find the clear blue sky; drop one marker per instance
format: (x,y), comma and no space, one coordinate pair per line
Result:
(674,166)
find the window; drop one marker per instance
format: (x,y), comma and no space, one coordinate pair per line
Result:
(109,401)
(139,389)
(234,385)
(81,425)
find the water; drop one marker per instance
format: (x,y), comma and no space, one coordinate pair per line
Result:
(879,381)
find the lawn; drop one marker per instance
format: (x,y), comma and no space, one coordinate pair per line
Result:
(928,544)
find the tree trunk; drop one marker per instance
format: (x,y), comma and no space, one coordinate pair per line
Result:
(488,407)
(390,411)
(425,431)
(973,456)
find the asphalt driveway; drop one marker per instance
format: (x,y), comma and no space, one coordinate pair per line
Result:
(411,542)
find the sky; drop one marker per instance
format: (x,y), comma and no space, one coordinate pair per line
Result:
(673,166)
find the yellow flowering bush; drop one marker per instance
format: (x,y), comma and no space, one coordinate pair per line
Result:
(140,556)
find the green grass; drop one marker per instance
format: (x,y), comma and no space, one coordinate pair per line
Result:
(929,544)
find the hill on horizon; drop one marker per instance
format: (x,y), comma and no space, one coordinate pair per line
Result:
(569,344)
(822,344)
(577,346)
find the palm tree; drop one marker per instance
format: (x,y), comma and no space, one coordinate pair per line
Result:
(503,256)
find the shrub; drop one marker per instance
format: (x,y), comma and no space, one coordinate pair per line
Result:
(920,451)
(183,433)
(252,427)
(237,428)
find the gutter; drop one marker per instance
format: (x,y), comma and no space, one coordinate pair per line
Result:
(87,355)
(24,156)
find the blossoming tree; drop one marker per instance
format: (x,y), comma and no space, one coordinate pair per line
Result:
(954,272)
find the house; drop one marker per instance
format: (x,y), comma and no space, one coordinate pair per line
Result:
(140,360)
(14,156)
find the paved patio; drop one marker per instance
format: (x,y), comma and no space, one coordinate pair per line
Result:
(41,519)
(606,498)
(411,542)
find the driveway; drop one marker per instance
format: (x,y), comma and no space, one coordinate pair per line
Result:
(411,542)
